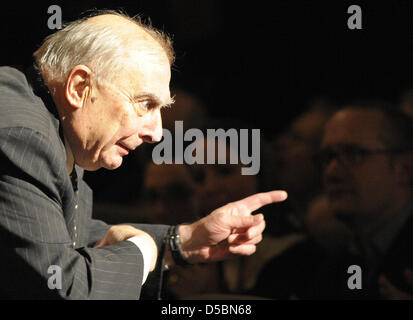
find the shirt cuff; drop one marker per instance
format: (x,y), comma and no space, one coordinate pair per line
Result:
(145,254)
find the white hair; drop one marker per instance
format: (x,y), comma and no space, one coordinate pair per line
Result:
(98,46)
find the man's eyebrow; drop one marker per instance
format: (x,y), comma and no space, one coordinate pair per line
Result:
(154,99)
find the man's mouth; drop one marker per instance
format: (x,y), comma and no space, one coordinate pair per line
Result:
(125,148)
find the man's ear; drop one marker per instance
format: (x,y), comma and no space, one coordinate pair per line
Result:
(78,86)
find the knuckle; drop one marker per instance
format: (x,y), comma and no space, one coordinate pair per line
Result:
(220,215)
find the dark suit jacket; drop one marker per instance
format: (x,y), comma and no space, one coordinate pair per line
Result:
(46,218)
(330,281)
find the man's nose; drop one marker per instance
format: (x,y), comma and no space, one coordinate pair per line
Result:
(334,170)
(152,127)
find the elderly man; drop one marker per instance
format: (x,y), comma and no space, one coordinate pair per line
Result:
(366,159)
(103,83)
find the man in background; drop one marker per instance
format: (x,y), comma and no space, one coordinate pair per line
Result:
(365,158)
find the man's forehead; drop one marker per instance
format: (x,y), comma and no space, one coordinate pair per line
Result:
(309,123)
(148,80)
(158,94)
(354,126)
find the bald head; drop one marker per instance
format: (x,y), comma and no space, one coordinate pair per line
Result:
(107,43)
(130,30)
(122,25)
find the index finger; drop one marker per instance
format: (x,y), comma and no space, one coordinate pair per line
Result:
(258,200)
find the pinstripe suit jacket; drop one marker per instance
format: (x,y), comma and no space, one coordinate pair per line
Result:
(46,217)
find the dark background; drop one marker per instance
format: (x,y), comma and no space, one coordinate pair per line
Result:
(259,61)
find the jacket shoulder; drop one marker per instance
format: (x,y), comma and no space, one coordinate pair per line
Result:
(19,106)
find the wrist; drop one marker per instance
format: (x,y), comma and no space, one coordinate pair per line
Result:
(185,236)
(174,254)
(190,248)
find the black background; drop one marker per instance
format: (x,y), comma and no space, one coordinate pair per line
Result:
(257,60)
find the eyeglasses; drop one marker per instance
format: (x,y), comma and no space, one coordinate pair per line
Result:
(349,155)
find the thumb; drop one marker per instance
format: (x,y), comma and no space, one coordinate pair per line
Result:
(99,244)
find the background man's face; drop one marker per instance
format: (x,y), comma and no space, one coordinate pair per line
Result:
(365,186)
(120,116)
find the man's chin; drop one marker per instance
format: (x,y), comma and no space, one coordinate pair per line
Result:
(104,160)
(113,165)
